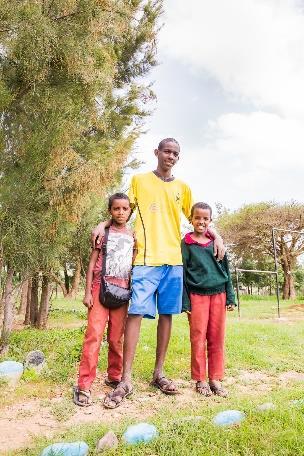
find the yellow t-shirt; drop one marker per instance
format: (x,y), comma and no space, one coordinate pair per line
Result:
(157,225)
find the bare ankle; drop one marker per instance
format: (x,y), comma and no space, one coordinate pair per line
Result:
(158,373)
(127,379)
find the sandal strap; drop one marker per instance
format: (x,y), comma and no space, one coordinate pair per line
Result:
(124,386)
(85,393)
(164,380)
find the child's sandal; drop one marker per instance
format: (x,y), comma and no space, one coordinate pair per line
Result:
(81,397)
(203,388)
(217,388)
(111,383)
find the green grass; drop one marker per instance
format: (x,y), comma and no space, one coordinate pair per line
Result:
(260,307)
(256,342)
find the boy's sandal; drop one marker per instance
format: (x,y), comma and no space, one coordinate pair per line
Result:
(203,388)
(111,383)
(217,389)
(166,385)
(115,398)
(81,397)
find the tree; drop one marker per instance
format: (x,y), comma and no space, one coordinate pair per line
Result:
(249,229)
(72,105)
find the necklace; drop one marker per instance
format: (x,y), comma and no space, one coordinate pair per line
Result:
(164,179)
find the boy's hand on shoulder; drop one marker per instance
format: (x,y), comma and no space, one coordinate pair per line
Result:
(219,248)
(230,307)
(218,244)
(98,233)
(88,300)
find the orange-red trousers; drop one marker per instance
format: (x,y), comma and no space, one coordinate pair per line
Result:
(207,327)
(98,316)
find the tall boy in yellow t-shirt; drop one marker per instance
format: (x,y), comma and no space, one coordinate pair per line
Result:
(157,277)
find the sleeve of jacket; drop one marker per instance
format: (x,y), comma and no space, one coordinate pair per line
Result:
(186,305)
(230,295)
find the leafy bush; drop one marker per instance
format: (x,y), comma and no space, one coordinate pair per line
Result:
(62,349)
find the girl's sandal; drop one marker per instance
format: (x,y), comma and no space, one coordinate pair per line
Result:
(111,383)
(82,397)
(217,388)
(203,388)
(115,398)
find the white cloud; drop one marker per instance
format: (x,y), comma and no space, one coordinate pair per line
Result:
(261,139)
(254,48)
(247,158)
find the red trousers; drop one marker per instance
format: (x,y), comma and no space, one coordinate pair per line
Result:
(98,316)
(207,327)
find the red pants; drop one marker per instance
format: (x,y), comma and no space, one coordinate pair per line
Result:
(207,324)
(98,316)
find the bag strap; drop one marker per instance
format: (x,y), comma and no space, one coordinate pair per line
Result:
(104,251)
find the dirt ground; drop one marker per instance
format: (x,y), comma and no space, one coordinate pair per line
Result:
(21,422)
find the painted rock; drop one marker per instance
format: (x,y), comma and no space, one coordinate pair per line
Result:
(66,449)
(229,418)
(141,432)
(11,372)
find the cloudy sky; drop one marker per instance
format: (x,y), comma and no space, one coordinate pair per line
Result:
(230,89)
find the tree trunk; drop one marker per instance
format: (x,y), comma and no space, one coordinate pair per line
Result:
(288,265)
(60,283)
(76,281)
(289,291)
(27,318)
(8,312)
(44,303)
(1,267)
(34,300)
(23,299)
(66,280)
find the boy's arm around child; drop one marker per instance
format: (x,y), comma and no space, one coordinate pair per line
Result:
(186,304)
(230,295)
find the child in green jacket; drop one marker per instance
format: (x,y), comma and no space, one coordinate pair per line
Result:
(208,293)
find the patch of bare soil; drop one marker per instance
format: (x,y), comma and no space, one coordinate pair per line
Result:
(291,376)
(252,382)
(20,423)
(296,307)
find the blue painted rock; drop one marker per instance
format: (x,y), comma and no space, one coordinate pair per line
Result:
(228,418)
(141,432)
(11,372)
(66,449)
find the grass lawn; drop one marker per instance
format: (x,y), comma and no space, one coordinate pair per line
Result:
(264,364)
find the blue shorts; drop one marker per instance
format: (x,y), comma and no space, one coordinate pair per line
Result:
(158,287)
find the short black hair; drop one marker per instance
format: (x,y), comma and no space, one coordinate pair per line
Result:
(117,196)
(201,206)
(165,141)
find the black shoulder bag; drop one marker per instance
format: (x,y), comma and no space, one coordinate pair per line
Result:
(111,296)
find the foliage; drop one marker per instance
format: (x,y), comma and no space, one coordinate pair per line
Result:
(66,130)
(72,103)
(249,231)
